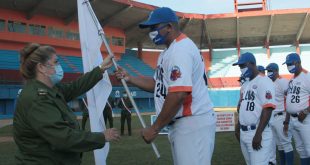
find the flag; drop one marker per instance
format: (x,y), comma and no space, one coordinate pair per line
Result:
(96,97)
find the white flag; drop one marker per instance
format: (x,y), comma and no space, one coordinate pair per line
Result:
(91,56)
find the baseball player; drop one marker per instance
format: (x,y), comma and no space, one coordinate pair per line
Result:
(180,92)
(256,107)
(281,138)
(261,69)
(297,105)
(273,158)
(241,80)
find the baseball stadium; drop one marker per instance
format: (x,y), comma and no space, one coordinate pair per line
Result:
(255,26)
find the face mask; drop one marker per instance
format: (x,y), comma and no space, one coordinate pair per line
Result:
(246,72)
(58,75)
(291,68)
(157,38)
(270,75)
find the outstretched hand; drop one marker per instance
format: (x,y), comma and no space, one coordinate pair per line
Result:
(121,73)
(149,134)
(111,135)
(106,64)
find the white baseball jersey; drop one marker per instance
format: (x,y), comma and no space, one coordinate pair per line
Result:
(298,93)
(180,68)
(281,86)
(256,94)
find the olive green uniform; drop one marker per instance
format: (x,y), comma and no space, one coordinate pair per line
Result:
(46,130)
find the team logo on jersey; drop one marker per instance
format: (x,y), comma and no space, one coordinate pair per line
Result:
(254,86)
(268,95)
(175,73)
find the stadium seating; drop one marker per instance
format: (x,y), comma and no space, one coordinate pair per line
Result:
(221,64)
(134,65)
(305,57)
(72,65)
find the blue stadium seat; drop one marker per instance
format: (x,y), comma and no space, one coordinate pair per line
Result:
(9,59)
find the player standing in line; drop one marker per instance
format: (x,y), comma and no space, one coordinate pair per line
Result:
(283,139)
(297,105)
(255,110)
(273,155)
(261,69)
(241,80)
(180,92)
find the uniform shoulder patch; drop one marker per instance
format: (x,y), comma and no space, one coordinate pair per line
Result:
(268,95)
(175,73)
(42,91)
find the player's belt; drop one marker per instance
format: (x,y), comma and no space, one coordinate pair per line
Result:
(278,114)
(294,115)
(247,127)
(174,120)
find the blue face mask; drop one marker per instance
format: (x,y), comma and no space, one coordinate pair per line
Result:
(246,72)
(156,37)
(58,75)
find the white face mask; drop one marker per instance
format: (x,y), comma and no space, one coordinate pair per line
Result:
(269,74)
(153,34)
(244,70)
(291,68)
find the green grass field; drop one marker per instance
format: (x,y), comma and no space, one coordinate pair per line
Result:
(131,150)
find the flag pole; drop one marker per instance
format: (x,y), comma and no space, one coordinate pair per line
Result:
(102,35)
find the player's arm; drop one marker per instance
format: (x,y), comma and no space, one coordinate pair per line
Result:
(172,104)
(264,120)
(237,126)
(145,83)
(286,123)
(266,96)
(304,113)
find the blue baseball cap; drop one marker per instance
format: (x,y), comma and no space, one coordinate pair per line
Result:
(273,67)
(244,58)
(260,68)
(290,58)
(159,15)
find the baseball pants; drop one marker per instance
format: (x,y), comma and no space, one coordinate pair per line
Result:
(301,134)
(251,156)
(192,139)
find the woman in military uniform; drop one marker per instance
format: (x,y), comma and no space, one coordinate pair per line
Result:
(46,130)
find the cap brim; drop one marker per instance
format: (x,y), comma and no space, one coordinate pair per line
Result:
(237,63)
(146,24)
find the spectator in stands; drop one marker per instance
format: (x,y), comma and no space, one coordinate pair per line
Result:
(45,129)
(107,112)
(261,69)
(125,105)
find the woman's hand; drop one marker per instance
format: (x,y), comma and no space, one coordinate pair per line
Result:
(106,64)
(111,135)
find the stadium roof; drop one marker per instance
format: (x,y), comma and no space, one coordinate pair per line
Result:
(251,28)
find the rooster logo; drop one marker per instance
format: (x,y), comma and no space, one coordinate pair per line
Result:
(268,95)
(175,73)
